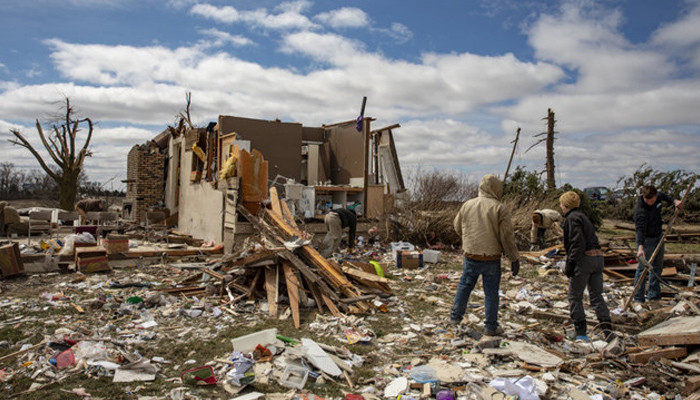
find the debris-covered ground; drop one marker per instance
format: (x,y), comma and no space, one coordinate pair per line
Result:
(116,335)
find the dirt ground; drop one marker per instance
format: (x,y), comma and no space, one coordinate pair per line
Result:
(405,329)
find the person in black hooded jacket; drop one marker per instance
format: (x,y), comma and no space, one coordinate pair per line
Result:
(584,267)
(648,227)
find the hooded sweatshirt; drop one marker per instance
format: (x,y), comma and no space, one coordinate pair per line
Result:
(484,222)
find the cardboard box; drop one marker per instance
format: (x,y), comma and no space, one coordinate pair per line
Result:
(115,243)
(91,259)
(10,260)
(409,259)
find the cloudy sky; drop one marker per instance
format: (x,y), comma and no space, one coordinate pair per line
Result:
(622,76)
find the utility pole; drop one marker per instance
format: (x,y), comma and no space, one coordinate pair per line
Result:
(512,153)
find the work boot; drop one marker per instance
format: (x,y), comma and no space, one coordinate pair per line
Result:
(608,333)
(496,332)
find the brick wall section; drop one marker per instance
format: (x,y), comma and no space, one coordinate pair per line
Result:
(145,174)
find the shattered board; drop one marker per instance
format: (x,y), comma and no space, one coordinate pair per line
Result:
(532,354)
(675,331)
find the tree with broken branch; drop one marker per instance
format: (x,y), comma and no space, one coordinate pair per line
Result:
(61,145)
(549,140)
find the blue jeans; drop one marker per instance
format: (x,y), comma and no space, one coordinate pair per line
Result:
(654,292)
(491,273)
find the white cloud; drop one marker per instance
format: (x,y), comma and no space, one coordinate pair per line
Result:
(221,38)
(346,17)
(595,49)
(289,17)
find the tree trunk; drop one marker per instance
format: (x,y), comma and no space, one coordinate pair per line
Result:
(551,185)
(68,190)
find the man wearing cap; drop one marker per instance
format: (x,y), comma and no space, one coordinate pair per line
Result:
(583,267)
(543,221)
(337,220)
(486,230)
(648,229)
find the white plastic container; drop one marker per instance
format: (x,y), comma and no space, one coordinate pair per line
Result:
(294,377)
(431,256)
(400,246)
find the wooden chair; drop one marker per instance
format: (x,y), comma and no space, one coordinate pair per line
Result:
(66,222)
(39,221)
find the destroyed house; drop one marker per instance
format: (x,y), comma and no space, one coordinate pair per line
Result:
(208,171)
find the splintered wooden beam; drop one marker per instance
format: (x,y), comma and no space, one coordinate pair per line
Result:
(275,200)
(271,286)
(668,353)
(251,289)
(675,331)
(316,293)
(331,306)
(254,258)
(292,291)
(287,214)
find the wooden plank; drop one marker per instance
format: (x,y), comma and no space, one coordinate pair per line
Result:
(254,258)
(271,286)
(316,293)
(292,291)
(275,200)
(287,214)
(668,352)
(331,306)
(675,331)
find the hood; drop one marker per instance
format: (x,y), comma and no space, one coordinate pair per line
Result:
(491,186)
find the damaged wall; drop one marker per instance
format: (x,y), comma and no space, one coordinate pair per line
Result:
(347,153)
(279,142)
(200,205)
(145,174)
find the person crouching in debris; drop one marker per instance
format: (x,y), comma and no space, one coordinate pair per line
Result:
(583,267)
(87,205)
(487,232)
(337,220)
(543,222)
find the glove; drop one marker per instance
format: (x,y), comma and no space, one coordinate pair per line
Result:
(570,268)
(515,267)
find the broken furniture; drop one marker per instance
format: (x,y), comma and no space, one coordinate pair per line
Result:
(66,221)
(39,221)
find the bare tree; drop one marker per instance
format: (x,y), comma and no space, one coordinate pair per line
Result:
(60,143)
(549,140)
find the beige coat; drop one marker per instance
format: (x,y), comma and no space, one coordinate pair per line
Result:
(484,222)
(550,221)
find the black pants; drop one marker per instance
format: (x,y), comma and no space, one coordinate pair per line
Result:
(589,274)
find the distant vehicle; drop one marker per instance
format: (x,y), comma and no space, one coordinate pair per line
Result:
(597,193)
(621,193)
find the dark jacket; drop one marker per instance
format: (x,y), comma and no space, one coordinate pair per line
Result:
(579,237)
(348,219)
(647,218)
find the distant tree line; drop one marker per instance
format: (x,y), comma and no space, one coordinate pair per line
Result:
(18,184)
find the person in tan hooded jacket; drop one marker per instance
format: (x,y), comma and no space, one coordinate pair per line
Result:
(485,227)
(543,222)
